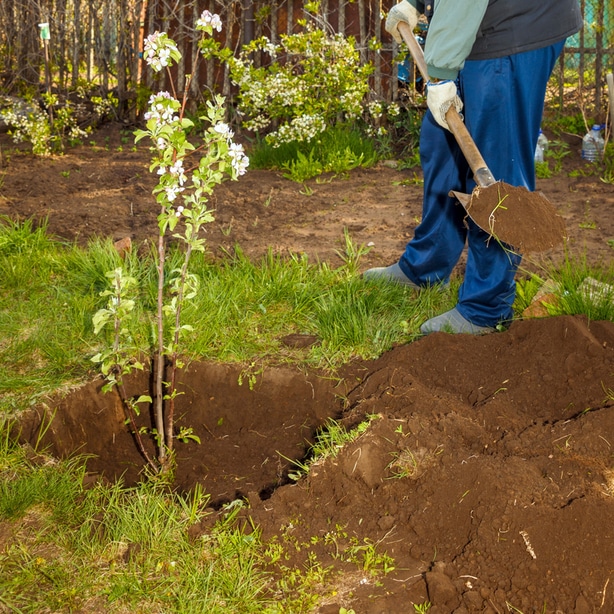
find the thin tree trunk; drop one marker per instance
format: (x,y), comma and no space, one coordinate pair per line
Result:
(274,26)
(377,60)
(195,85)
(341,17)
(136,75)
(122,56)
(61,44)
(324,9)
(105,50)
(28,45)
(181,29)
(362,22)
(290,24)
(158,396)
(151,17)
(88,44)
(8,36)
(247,21)
(230,20)
(76,43)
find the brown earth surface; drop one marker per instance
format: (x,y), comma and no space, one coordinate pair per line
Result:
(488,472)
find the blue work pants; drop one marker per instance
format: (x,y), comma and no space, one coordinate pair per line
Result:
(503,106)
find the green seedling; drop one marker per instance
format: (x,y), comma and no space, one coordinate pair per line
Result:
(306,190)
(182,196)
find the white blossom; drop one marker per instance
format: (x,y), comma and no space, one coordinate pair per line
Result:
(177,171)
(157,50)
(172,191)
(238,160)
(208,19)
(223,129)
(162,108)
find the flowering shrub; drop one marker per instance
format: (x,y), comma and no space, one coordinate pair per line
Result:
(311,80)
(296,91)
(105,106)
(378,116)
(31,124)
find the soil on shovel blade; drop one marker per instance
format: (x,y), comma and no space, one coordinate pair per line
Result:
(487,471)
(526,221)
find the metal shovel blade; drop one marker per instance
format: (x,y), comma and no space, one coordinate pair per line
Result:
(524,220)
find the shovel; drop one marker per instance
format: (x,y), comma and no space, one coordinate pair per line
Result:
(526,221)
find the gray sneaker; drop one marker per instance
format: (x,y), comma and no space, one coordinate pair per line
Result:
(391,273)
(453,322)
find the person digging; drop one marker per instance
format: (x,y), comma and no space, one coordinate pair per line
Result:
(490,59)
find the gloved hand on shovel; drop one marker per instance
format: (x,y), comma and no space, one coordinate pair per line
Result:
(403,11)
(440,96)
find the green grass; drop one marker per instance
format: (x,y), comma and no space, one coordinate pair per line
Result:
(50,291)
(108,548)
(338,150)
(575,297)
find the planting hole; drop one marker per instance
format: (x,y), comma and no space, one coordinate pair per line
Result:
(250,432)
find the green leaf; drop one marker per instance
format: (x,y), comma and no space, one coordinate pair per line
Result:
(140,134)
(100,319)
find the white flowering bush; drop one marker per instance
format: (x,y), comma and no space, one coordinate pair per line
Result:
(32,126)
(295,92)
(395,129)
(187,175)
(46,132)
(379,117)
(104,107)
(311,80)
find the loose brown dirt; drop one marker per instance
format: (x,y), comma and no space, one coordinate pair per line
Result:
(487,473)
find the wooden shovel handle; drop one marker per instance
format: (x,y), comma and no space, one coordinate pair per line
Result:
(481,172)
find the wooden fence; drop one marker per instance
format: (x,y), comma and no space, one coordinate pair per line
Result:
(100,41)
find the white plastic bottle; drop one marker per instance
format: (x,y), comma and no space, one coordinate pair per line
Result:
(541,147)
(593,144)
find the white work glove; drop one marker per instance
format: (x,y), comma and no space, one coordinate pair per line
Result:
(403,11)
(440,96)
